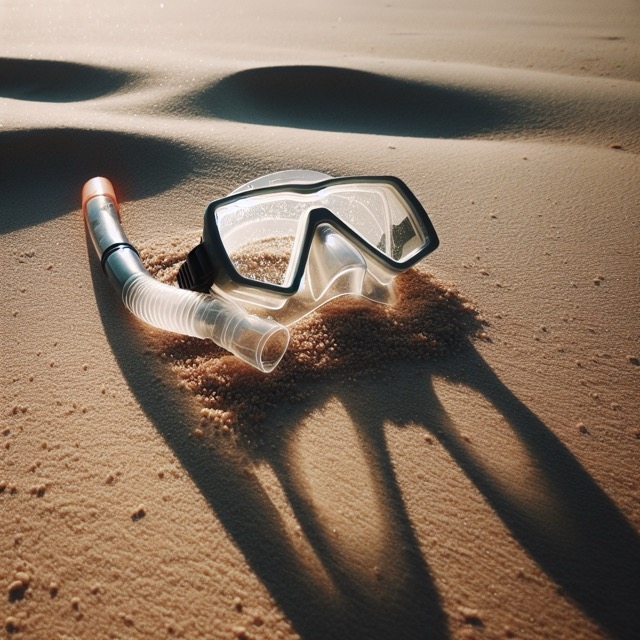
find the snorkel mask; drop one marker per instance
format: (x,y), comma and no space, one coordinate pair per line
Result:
(272,252)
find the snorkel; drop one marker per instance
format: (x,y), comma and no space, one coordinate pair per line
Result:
(260,342)
(279,246)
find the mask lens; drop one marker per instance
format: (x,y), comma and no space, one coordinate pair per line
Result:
(259,235)
(263,233)
(379,215)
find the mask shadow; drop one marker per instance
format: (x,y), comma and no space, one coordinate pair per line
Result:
(224,476)
(572,529)
(591,552)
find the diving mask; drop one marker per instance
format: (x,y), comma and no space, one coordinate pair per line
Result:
(289,242)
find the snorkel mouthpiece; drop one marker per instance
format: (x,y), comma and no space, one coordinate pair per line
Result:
(260,342)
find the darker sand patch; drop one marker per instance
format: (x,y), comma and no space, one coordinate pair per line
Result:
(349,100)
(57,81)
(42,170)
(344,339)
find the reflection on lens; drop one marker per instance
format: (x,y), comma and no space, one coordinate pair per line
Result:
(363,211)
(401,236)
(377,213)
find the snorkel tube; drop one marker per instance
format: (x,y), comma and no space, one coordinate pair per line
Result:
(260,342)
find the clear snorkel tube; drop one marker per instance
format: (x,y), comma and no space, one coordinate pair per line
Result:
(260,342)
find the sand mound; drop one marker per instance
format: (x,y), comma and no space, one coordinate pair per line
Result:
(346,338)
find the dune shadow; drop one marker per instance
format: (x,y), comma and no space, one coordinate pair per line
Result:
(348,100)
(58,81)
(42,171)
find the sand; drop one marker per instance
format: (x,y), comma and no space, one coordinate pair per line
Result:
(463,465)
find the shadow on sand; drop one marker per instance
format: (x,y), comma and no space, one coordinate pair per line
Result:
(592,553)
(37,167)
(350,100)
(248,514)
(59,81)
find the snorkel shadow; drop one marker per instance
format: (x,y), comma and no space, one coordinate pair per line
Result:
(589,549)
(247,512)
(571,528)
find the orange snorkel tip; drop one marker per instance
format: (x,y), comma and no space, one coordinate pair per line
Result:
(98,187)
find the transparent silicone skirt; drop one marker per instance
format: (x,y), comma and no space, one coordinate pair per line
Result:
(260,342)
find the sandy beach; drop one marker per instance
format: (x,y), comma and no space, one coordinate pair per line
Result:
(463,465)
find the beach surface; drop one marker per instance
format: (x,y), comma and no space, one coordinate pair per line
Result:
(464,465)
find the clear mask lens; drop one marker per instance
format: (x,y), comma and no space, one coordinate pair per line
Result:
(288,242)
(263,234)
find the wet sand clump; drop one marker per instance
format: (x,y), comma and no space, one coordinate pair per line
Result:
(347,338)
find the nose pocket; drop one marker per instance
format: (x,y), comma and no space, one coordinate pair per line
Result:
(335,267)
